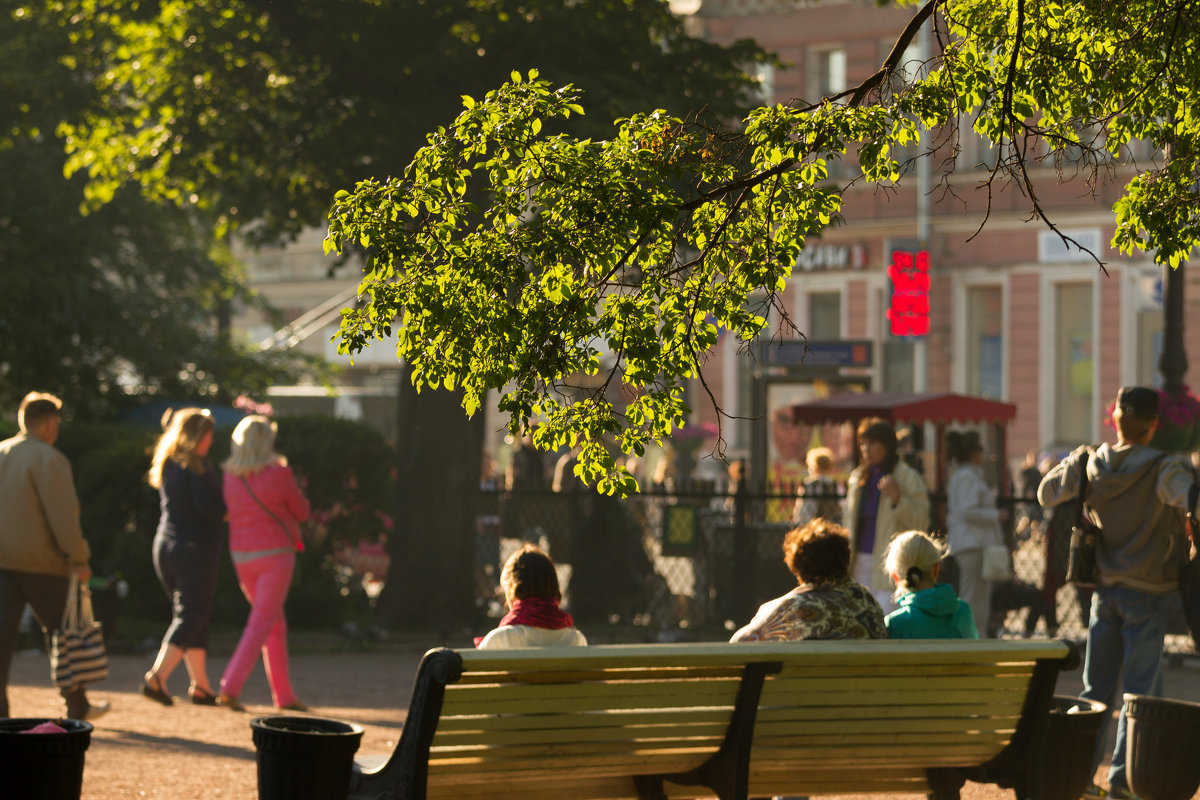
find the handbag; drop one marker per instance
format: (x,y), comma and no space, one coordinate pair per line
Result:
(1189,576)
(77,654)
(299,542)
(1081,562)
(996,565)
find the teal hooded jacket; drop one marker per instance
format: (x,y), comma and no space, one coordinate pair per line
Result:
(935,613)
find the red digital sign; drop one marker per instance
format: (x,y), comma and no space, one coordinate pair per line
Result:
(908,311)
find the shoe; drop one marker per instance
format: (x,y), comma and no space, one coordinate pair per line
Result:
(1121,793)
(1094,792)
(295,705)
(230,702)
(156,693)
(94,711)
(202,697)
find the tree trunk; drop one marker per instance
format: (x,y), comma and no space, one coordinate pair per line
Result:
(439,452)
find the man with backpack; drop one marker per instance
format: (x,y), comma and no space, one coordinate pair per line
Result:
(1137,497)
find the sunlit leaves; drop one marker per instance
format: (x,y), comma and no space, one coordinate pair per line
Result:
(576,288)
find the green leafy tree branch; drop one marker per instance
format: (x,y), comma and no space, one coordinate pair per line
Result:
(512,257)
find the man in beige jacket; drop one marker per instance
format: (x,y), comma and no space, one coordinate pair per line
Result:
(41,543)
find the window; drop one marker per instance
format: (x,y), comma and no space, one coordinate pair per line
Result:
(824,316)
(765,75)
(985,342)
(828,71)
(908,70)
(1074,367)
(1150,341)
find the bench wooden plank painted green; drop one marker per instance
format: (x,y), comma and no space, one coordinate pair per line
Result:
(727,720)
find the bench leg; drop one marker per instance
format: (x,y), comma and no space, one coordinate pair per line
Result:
(649,787)
(944,784)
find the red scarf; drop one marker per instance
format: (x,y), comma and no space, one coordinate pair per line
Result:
(536,612)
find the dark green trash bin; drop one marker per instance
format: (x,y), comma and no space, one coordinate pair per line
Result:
(48,766)
(304,758)
(1161,755)
(1072,729)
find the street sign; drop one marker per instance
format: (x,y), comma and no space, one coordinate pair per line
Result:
(798,353)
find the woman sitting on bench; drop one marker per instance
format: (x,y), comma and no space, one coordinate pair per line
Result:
(534,618)
(828,603)
(928,609)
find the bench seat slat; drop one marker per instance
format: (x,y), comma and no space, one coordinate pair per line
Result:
(578,676)
(972,710)
(807,672)
(712,730)
(579,766)
(900,684)
(616,689)
(581,705)
(855,740)
(572,702)
(598,719)
(851,698)
(771,730)
(883,753)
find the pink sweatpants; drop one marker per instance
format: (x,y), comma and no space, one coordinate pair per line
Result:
(265,582)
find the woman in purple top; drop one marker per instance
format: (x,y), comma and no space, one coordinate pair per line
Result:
(884,496)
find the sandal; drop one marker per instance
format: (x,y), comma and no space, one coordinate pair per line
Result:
(295,705)
(156,692)
(230,701)
(202,697)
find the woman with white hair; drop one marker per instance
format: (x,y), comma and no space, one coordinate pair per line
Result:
(266,508)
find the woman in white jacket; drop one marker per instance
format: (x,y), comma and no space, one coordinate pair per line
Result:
(972,522)
(534,618)
(884,496)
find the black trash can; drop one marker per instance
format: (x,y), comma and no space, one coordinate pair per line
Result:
(1160,747)
(1072,729)
(48,766)
(304,758)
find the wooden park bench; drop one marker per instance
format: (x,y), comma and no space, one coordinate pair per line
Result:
(725,720)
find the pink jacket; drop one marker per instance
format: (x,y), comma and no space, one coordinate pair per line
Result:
(251,528)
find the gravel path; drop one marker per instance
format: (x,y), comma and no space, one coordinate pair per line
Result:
(141,749)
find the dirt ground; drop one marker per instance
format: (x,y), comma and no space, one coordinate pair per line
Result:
(141,749)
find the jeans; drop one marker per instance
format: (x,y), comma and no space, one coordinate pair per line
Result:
(265,582)
(1124,643)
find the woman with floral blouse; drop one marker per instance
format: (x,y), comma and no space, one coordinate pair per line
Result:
(827,603)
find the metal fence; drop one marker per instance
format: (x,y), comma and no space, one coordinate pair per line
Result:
(697,556)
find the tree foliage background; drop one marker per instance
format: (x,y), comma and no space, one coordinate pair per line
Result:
(251,113)
(512,255)
(97,305)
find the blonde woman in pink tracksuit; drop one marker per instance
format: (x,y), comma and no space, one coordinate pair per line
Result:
(266,508)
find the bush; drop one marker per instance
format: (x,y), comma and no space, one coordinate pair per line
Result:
(118,509)
(347,471)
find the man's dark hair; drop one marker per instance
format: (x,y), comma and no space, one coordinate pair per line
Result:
(35,407)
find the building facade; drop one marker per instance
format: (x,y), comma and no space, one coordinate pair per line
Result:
(1015,314)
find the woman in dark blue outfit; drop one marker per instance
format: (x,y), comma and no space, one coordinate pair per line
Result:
(187,548)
